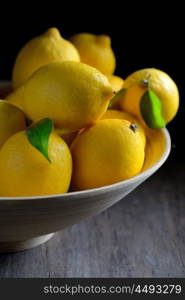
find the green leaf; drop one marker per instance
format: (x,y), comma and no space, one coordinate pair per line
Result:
(117,96)
(151,110)
(38,135)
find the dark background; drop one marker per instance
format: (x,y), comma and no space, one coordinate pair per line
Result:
(147,36)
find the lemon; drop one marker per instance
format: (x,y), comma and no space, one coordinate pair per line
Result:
(46,48)
(96,51)
(73,94)
(116,114)
(106,153)
(116,82)
(16,97)
(161,83)
(155,146)
(12,120)
(26,172)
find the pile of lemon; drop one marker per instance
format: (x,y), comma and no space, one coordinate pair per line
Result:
(69,122)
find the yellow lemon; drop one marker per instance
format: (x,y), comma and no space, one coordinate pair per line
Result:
(106,153)
(16,97)
(116,82)
(46,48)
(116,114)
(73,94)
(163,86)
(12,120)
(155,146)
(26,172)
(96,51)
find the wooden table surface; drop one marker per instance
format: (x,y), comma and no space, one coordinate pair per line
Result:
(143,235)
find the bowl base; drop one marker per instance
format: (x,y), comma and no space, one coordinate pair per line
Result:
(15,246)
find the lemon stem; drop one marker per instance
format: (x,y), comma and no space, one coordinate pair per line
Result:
(133,127)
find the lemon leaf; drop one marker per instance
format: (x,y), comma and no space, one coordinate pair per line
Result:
(38,135)
(151,110)
(116,97)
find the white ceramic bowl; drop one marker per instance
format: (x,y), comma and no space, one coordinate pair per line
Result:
(26,222)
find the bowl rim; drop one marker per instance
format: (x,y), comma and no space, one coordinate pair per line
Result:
(5,83)
(112,187)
